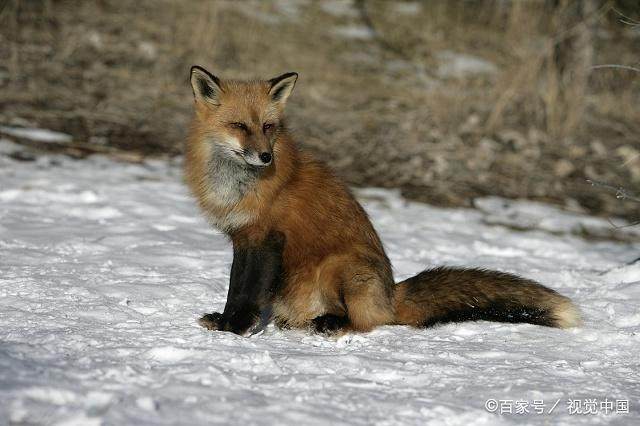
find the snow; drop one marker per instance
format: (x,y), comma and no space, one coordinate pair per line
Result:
(353,32)
(522,214)
(281,10)
(407,8)
(339,8)
(459,65)
(35,134)
(105,266)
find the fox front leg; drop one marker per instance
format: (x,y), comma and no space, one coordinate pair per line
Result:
(256,275)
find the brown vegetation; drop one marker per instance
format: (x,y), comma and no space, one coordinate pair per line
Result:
(446,100)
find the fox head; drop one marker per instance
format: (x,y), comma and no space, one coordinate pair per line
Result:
(240,119)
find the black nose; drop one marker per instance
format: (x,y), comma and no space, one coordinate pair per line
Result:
(265,157)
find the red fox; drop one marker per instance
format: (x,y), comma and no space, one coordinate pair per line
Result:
(303,247)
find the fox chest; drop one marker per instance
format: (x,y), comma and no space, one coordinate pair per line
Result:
(228,184)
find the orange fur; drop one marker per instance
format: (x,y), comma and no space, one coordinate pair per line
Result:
(334,261)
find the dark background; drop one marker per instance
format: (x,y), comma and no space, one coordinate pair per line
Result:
(446,100)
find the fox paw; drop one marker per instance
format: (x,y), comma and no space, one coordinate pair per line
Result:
(242,322)
(211,321)
(329,323)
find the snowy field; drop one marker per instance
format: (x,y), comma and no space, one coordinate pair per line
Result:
(105,266)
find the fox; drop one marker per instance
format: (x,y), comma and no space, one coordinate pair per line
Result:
(305,253)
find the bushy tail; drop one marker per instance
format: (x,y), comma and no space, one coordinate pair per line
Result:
(445,294)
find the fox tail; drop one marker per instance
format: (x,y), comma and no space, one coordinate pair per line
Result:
(446,294)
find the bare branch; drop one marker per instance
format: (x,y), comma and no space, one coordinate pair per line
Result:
(628,225)
(623,67)
(621,193)
(625,19)
(398,51)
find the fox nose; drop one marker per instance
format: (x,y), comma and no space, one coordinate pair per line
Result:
(265,157)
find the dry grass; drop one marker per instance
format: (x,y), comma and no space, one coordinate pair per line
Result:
(373,98)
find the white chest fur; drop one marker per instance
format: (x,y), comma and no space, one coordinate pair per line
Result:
(228,182)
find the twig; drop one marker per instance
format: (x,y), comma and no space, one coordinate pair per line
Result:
(420,69)
(628,225)
(633,261)
(563,35)
(622,67)
(368,22)
(625,19)
(82,149)
(621,193)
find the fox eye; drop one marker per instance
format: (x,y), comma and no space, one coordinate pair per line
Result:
(267,126)
(240,126)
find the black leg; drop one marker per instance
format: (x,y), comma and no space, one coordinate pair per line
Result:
(239,322)
(329,323)
(241,317)
(256,276)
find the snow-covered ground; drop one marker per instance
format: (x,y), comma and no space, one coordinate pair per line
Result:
(104,268)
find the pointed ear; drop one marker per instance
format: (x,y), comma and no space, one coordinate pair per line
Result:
(206,86)
(282,86)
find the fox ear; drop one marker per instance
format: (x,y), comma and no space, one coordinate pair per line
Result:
(206,86)
(282,86)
